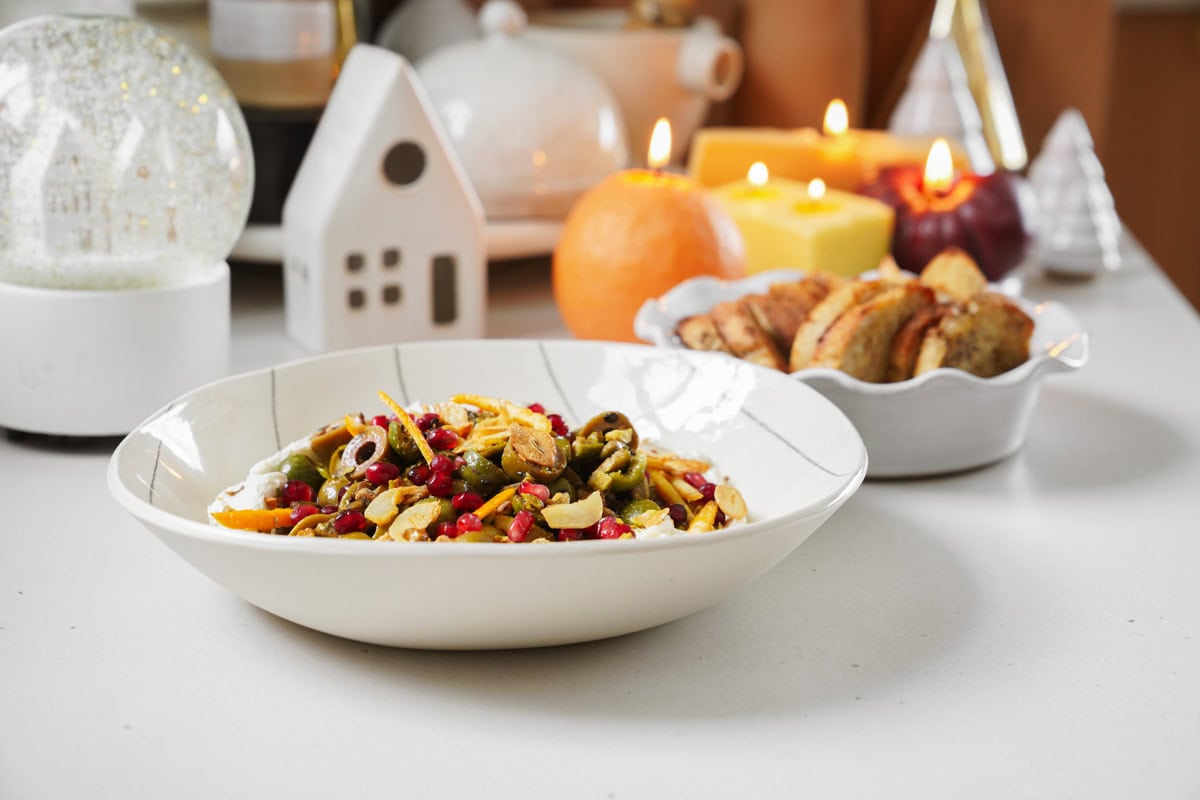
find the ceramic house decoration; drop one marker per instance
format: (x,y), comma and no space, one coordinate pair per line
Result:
(1079,231)
(384,237)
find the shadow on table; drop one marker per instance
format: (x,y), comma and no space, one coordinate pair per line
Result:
(868,601)
(1108,443)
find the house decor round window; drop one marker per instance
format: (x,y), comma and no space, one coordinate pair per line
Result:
(404,163)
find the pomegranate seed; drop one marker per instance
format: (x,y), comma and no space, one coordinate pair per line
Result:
(590,531)
(442,438)
(349,521)
(719,519)
(558,424)
(678,513)
(418,473)
(466,501)
(695,479)
(381,420)
(469,522)
(611,528)
(441,463)
(328,509)
(303,510)
(428,421)
(445,529)
(519,528)
(536,408)
(569,534)
(440,484)
(538,490)
(297,492)
(708,491)
(381,472)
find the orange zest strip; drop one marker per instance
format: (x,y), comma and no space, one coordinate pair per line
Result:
(263,520)
(354,424)
(410,426)
(495,501)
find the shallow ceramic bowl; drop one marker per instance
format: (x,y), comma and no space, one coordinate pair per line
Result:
(794,456)
(943,421)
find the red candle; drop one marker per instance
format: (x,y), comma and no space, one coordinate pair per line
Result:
(935,209)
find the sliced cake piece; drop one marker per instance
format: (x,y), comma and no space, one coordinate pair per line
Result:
(825,313)
(907,343)
(987,337)
(744,336)
(699,332)
(859,342)
(954,274)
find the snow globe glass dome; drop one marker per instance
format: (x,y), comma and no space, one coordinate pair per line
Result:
(533,127)
(125,179)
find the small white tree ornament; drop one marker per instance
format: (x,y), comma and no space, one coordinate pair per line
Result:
(1079,231)
(938,102)
(384,237)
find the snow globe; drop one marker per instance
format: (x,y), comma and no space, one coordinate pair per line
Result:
(125,179)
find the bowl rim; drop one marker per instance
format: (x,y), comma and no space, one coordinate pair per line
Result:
(162,520)
(649,326)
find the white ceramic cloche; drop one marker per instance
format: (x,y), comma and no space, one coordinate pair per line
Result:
(532,126)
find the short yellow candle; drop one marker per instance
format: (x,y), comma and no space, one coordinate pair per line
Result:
(786,223)
(844,158)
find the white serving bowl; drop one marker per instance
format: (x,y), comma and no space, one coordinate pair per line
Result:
(943,421)
(793,455)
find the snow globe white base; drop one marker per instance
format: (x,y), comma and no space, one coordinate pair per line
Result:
(96,363)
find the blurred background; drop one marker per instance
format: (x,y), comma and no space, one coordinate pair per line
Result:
(1132,67)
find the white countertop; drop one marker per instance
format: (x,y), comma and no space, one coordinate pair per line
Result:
(1031,629)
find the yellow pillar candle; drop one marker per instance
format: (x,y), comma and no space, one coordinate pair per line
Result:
(786,223)
(845,159)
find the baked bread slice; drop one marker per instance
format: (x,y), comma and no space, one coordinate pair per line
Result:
(786,305)
(744,336)
(825,313)
(699,332)
(906,345)
(986,337)
(955,275)
(859,342)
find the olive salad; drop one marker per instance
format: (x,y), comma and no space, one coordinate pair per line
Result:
(477,469)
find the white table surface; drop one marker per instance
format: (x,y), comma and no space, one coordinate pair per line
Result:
(1031,629)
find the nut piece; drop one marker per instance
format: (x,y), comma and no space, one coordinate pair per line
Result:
(536,447)
(730,501)
(417,517)
(579,514)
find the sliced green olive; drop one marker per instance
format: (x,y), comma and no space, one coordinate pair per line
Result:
(610,421)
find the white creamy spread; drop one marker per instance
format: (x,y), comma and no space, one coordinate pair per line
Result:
(264,480)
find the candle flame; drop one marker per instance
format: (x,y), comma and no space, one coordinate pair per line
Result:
(816,189)
(837,118)
(660,144)
(757,175)
(939,167)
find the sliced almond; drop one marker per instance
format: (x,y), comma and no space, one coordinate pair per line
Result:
(384,508)
(417,517)
(730,501)
(580,514)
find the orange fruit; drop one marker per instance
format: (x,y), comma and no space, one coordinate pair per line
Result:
(632,237)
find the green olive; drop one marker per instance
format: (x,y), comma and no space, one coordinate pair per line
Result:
(474,536)
(610,421)
(631,475)
(635,508)
(299,467)
(327,495)
(482,475)
(402,444)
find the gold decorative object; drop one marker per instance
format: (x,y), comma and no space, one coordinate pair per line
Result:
(661,13)
(965,23)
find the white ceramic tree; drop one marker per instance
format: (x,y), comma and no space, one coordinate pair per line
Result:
(1079,231)
(938,102)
